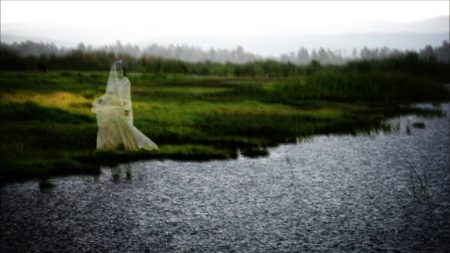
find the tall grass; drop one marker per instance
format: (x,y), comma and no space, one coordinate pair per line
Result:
(371,86)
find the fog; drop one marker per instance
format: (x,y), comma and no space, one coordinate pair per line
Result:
(263,28)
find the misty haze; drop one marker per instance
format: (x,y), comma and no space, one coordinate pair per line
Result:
(254,126)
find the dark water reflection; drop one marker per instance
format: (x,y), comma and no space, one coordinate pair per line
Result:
(386,192)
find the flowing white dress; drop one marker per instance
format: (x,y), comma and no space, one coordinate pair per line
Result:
(115,115)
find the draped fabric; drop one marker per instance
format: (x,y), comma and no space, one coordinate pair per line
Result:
(115,115)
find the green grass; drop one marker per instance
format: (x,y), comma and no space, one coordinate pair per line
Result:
(48,129)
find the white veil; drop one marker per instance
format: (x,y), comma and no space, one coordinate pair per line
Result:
(115,115)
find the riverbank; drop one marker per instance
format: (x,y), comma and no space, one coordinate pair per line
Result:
(48,129)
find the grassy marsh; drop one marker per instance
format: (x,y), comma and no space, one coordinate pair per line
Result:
(48,129)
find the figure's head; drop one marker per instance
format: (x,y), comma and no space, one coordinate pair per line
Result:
(120,69)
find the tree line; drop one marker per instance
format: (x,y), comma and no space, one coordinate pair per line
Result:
(194,54)
(42,57)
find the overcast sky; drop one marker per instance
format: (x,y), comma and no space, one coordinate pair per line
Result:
(105,22)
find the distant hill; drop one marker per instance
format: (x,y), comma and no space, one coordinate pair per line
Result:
(407,35)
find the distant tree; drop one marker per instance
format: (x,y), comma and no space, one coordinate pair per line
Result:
(302,56)
(443,52)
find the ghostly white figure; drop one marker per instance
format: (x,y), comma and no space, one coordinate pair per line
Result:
(115,115)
